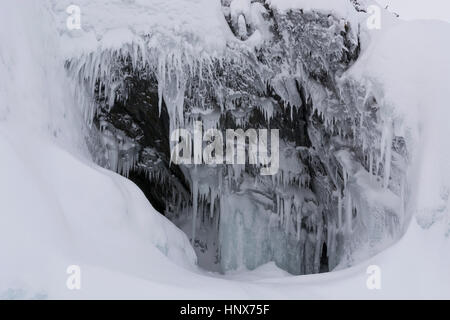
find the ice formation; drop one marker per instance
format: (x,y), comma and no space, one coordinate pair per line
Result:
(281,69)
(345,189)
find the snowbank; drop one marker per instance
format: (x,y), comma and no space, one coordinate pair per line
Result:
(58,209)
(342,8)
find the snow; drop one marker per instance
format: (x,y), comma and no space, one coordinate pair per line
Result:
(415,9)
(57,208)
(409,63)
(415,87)
(342,8)
(113,23)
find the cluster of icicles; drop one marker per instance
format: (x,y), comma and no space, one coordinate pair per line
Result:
(101,74)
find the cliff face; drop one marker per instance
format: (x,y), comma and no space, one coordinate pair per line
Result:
(280,70)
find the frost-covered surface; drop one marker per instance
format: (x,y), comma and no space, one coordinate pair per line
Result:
(58,208)
(258,79)
(198,24)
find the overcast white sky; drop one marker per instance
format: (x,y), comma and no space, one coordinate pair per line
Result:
(419,9)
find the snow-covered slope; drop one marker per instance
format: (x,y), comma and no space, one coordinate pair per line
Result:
(57,208)
(409,62)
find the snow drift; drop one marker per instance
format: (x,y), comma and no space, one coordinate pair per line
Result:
(58,208)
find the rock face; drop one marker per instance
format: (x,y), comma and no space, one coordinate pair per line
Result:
(285,72)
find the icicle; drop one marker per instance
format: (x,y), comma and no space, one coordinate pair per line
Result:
(388,158)
(287,213)
(242,26)
(299,223)
(402,199)
(161,76)
(329,234)
(278,205)
(345,176)
(348,214)
(212,199)
(354,133)
(221,204)
(194,203)
(318,247)
(339,222)
(331,249)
